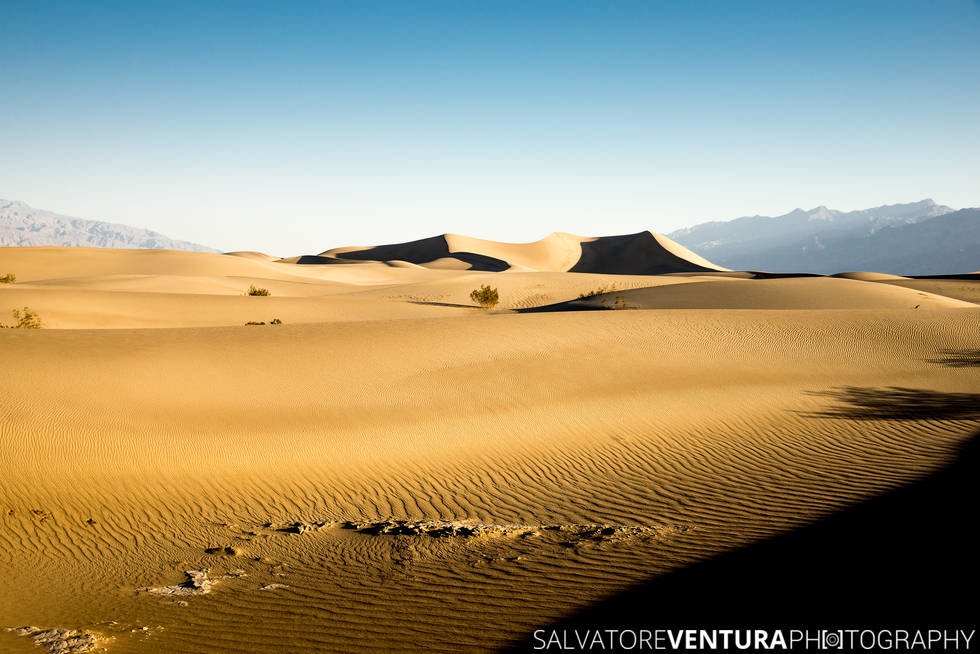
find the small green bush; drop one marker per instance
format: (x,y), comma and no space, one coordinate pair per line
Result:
(9,278)
(485,296)
(256,291)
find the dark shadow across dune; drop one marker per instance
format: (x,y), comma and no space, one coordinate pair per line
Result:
(958,358)
(898,403)
(425,251)
(317,260)
(420,251)
(569,305)
(961,276)
(758,274)
(481,262)
(906,560)
(433,303)
(631,254)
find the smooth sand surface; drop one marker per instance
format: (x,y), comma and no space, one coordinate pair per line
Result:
(393,469)
(869,276)
(789,293)
(960,289)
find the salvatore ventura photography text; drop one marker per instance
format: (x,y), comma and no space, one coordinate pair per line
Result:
(708,640)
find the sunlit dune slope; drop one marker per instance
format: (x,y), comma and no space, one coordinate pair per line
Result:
(791,293)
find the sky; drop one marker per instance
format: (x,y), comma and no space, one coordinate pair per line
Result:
(293,127)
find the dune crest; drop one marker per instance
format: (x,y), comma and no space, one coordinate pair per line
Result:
(643,253)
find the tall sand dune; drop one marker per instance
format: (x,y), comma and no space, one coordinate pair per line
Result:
(645,253)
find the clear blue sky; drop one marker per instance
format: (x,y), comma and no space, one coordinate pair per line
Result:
(294,127)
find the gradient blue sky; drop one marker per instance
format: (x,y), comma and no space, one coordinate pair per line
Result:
(295,128)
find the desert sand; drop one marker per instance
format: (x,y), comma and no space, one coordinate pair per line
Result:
(396,469)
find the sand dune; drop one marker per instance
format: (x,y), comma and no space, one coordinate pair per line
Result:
(645,253)
(791,293)
(259,256)
(868,276)
(394,469)
(76,288)
(960,289)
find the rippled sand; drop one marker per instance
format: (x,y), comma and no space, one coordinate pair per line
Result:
(392,469)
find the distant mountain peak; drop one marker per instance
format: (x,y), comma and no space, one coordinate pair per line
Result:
(22,225)
(822,213)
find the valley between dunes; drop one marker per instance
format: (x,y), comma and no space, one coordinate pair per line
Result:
(394,469)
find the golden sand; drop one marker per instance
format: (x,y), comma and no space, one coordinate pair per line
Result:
(395,469)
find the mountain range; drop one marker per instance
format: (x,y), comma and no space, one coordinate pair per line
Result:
(918,238)
(23,225)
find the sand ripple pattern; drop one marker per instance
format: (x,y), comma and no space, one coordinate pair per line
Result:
(339,488)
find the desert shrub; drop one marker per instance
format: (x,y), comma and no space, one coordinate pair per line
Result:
(26,319)
(275,321)
(256,291)
(597,291)
(9,278)
(252,322)
(485,296)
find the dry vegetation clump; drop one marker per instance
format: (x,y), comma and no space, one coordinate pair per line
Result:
(256,291)
(486,297)
(25,319)
(8,278)
(598,291)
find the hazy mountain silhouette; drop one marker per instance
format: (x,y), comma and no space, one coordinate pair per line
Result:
(23,225)
(920,238)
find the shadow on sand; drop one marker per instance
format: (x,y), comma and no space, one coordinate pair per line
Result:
(958,358)
(898,403)
(433,303)
(906,559)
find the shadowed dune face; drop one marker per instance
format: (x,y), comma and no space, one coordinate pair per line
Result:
(421,252)
(418,252)
(638,254)
(902,560)
(643,253)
